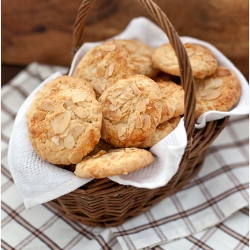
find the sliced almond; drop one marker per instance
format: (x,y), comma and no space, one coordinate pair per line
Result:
(59,108)
(47,105)
(124,109)
(75,157)
(116,115)
(79,97)
(77,129)
(61,122)
(141,106)
(122,138)
(217,82)
(71,113)
(57,147)
(212,83)
(213,95)
(55,139)
(113,100)
(114,107)
(156,121)
(131,128)
(69,141)
(81,112)
(136,90)
(111,69)
(121,130)
(146,122)
(117,92)
(65,133)
(126,95)
(138,120)
(90,113)
(144,102)
(121,100)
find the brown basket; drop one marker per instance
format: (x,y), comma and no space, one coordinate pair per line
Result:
(105,203)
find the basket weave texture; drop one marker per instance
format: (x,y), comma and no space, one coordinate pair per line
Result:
(105,203)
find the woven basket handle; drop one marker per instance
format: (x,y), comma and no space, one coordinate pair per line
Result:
(184,64)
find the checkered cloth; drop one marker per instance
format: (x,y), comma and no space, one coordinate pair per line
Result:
(210,212)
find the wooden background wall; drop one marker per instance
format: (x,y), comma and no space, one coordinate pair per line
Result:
(42,30)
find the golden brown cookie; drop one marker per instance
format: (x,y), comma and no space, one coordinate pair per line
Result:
(202,61)
(65,126)
(220,92)
(114,162)
(162,130)
(172,100)
(131,111)
(140,54)
(104,65)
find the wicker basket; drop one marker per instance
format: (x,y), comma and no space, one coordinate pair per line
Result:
(105,203)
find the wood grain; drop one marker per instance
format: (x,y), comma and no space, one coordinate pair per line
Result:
(42,30)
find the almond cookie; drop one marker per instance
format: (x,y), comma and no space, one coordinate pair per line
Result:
(65,125)
(161,131)
(140,54)
(172,100)
(202,61)
(58,84)
(220,92)
(131,111)
(104,65)
(114,162)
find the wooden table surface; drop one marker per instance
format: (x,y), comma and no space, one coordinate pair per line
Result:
(42,30)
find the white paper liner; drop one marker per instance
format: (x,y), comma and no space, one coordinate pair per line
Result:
(39,181)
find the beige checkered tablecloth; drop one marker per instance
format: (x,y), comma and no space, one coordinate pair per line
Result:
(211,212)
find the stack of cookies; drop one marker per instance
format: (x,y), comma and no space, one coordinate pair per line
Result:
(122,99)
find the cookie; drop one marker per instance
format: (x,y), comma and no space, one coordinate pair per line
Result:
(65,125)
(220,92)
(58,84)
(104,65)
(172,100)
(140,54)
(202,61)
(161,131)
(114,162)
(131,111)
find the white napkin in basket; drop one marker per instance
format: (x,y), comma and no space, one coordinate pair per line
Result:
(39,181)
